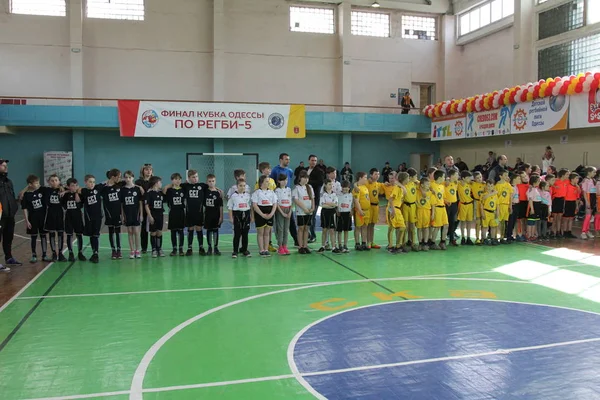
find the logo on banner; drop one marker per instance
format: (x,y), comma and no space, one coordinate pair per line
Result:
(520,120)
(459,128)
(276,121)
(557,103)
(594,107)
(296,130)
(149,118)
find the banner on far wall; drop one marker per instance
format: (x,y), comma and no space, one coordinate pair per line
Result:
(584,111)
(541,115)
(211,120)
(448,127)
(58,163)
(488,123)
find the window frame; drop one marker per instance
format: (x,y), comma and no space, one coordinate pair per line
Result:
(369,12)
(60,15)
(112,16)
(477,9)
(431,16)
(323,7)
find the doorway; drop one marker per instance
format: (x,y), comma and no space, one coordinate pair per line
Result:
(420,161)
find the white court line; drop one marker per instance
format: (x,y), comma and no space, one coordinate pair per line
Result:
(400,278)
(24,288)
(297,374)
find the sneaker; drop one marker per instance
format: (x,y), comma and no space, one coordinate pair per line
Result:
(119,255)
(181,253)
(161,253)
(435,247)
(463,241)
(138,255)
(364,247)
(154,253)
(113,255)
(202,252)
(264,254)
(345,250)
(590,235)
(217,252)
(470,242)
(13,261)
(54,257)
(584,236)
(71,257)
(4,269)
(81,257)
(495,242)
(94,258)
(327,247)
(189,252)
(391,250)
(358,247)
(45,258)
(62,258)
(286,251)
(478,242)
(425,248)
(375,246)
(453,243)
(132,255)
(271,248)
(210,251)
(321,250)
(173,253)
(443,246)
(247,254)
(233,255)
(570,235)
(504,241)
(33,259)
(312,240)
(307,250)
(336,251)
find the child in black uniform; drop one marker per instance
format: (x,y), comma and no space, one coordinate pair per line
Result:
(132,205)
(213,214)
(154,209)
(194,219)
(34,210)
(55,217)
(73,219)
(92,213)
(111,201)
(174,196)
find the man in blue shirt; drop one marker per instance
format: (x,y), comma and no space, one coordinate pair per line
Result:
(282,168)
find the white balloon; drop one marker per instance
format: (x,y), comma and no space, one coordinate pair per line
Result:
(586,87)
(555,90)
(559,85)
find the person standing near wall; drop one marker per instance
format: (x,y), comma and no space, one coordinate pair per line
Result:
(316,177)
(9,206)
(282,168)
(495,172)
(548,159)
(144,181)
(406,103)
(385,172)
(297,171)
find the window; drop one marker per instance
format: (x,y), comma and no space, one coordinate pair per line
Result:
(489,12)
(561,19)
(56,8)
(370,24)
(414,27)
(312,20)
(116,9)
(570,58)
(542,1)
(593,12)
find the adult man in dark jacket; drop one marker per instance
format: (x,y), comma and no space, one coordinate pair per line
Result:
(316,177)
(9,210)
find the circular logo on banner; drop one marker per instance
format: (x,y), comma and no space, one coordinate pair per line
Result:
(149,118)
(557,103)
(276,120)
(520,119)
(458,128)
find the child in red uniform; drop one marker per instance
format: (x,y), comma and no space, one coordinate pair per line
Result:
(559,190)
(572,195)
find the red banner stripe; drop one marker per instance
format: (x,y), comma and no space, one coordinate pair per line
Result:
(128,115)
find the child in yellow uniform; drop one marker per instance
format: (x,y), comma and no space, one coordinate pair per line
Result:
(395,219)
(409,209)
(425,213)
(505,190)
(477,189)
(451,200)
(440,221)
(362,208)
(465,207)
(375,189)
(489,211)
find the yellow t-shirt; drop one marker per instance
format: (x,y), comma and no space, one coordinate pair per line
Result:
(272,185)
(491,203)
(388,189)
(505,191)
(464,193)
(438,194)
(450,194)
(411,192)
(397,196)
(477,190)
(424,200)
(362,194)
(374,189)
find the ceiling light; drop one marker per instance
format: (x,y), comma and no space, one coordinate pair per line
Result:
(375,4)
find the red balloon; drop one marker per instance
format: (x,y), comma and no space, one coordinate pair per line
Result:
(597,75)
(563,89)
(594,85)
(581,79)
(524,96)
(579,88)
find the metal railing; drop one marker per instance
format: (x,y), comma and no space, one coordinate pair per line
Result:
(105,102)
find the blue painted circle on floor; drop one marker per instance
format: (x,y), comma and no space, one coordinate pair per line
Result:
(410,332)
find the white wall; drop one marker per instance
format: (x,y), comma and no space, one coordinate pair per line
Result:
(481,66)
(169,55)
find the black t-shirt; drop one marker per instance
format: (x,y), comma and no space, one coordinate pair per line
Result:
(111,200)
(143,184)
(92,206)
(212,203)
(194,196)
(131,198)
(33,202)
(52,199)
(71,205)
(154,200)
(175,198)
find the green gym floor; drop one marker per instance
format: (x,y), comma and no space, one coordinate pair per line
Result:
(217,328)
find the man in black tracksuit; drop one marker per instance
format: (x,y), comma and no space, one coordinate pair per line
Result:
(9,210)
